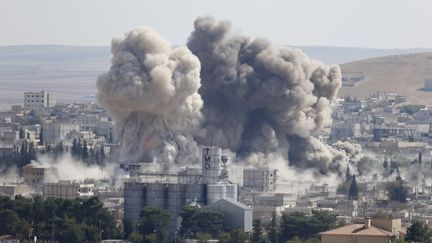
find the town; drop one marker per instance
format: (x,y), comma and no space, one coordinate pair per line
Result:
(385,186)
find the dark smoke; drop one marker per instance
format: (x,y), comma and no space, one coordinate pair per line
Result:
(263,99)
(260,101)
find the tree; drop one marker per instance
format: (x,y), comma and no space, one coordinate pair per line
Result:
(348,175)
(110,139)
(203,237)
(85,151)
(41,138)
(135,237)
(74,149)
(353,191)
(234,236)
(31,152)
(273,229)
(418,232)
(65,220)
(238,235)
(257,231)
(154,220)
(200,220)
(102,155)
(8,222)
(21,133)
(305,227)
(397,191)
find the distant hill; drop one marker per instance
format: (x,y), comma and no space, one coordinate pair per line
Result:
(404,74)
(339,55)
(71,71)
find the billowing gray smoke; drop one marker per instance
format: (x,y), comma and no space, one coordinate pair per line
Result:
(151,91)
(260,101)
(263,99)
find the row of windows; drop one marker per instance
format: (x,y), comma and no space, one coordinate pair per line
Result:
(37,96)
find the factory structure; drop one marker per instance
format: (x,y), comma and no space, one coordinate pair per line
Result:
(207,186)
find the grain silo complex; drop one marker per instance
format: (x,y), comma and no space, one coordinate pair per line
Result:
(172,192)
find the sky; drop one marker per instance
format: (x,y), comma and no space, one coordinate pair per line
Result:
(350,23)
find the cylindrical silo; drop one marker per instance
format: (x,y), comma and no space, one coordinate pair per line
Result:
(156,195)
(231,191)
(215,192)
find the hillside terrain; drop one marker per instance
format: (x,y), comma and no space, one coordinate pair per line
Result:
(71,71)
(404,74)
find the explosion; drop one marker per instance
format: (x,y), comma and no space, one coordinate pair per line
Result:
(245,95)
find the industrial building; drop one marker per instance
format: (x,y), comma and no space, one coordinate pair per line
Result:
(67,190)
(173,192)
(35,100)
(54,133)
(262,179)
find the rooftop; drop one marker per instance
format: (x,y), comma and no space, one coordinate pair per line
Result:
(357,230)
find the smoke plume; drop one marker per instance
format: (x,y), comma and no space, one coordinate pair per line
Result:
(254,99)
(261,99)
(151,91)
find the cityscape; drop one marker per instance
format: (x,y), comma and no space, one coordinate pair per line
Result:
(221,137)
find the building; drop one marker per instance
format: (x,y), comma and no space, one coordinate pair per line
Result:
(35,100)
(11,190)
(173,195)
(370,231)
(260,179)
(8,239)
(428,84)
(236,214)
(34,175)
(53,133)
(67,190)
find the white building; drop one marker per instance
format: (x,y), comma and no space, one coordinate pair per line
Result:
(53,133)
(33,100)
(260,179)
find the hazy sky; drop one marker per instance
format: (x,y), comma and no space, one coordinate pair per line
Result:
(357,23)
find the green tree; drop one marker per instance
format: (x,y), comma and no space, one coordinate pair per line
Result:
(273,229)
(21,133)
(257,231)
(203,237)
(397,191)
(154,220)
(41,138)
(102,155)
(418,232)
(8,222)
(305,227)
(353,191)
(135,237)
(85,151)
(70,231)
(200,220)
(294,240)
(348,174)
(238,235)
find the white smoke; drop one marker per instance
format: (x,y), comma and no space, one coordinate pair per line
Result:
(151,91)
(67,168)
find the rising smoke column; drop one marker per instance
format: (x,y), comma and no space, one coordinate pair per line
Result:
(263,99)
(151,92)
